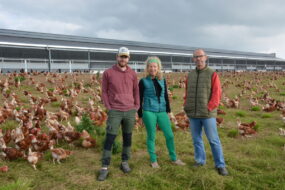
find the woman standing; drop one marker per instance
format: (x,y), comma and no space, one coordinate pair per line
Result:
(154,106)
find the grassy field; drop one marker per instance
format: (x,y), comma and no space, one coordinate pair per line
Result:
(256,162)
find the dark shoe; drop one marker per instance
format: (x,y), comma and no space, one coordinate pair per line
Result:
(197,165)
(103,174)
(222,171)
(125,167)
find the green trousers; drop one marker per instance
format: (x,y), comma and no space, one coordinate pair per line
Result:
(151,119)
(116,119)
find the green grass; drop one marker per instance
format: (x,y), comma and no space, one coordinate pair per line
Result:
(255,108)
(19,78)
(233,133)
(241,113)
(253,163)
(19,184)
(266,115)
(9,124)
(55,104)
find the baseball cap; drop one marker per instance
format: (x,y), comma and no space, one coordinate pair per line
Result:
(124,51)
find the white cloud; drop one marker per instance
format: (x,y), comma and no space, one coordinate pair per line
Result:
(244,37)
(10,21)
(127,34)
(272,44)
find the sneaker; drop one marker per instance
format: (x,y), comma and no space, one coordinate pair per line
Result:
(154,165)
(197,165)
(222,171)
(103,174)
(178,162)
(125,167)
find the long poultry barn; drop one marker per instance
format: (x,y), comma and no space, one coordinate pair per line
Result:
(22,50)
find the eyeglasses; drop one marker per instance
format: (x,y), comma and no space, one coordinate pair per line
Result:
(124,56)
(198,56)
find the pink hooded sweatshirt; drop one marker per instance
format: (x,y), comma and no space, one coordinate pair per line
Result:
(120,89)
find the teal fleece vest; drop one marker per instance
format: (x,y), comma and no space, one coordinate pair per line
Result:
(199,90)
(150,100)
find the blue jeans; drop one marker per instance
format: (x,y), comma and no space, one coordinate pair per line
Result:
(210,128)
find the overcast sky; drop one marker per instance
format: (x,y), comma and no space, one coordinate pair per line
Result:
(245,25)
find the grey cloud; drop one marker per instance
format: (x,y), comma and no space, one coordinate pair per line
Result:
(255,25)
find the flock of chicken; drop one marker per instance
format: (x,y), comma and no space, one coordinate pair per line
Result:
(256,91)
(40,128)
(29,140)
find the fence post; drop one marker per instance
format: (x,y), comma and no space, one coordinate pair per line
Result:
(26,65)
(49,60)
(2,65)
(89,61)
(70,69)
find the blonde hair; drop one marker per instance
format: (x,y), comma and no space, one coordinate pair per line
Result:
(150,60)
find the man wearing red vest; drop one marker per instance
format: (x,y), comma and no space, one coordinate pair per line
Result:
(202,98)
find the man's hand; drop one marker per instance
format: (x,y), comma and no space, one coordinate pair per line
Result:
(140,121)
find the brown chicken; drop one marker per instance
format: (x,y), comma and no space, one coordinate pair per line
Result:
(25,144)
(219,120)
(62,115)
(2,118)
(42,146)
(71,136)
(43,137)
(221,112)
(233,103)
(182,121)
(43,143)
(12,153)
(34,157)
(87,141)
(17,134)
(55,135)
(59,154)
(40,112)
(2,142)
(98,116)
(35,131)
(282,132)
(85,134)
(4,169)
(269,108)
(7,136)
(246,129)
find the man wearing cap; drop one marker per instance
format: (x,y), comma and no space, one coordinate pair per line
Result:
(203,94)
(120,94)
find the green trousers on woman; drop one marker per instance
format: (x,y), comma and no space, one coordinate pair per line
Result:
(151,119)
